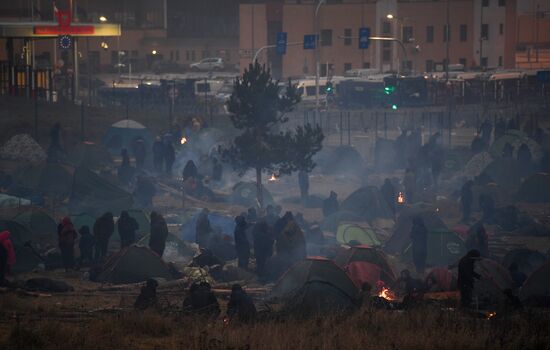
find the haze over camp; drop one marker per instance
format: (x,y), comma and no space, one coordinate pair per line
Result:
(274,174)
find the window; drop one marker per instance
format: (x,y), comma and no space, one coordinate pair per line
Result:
(501,29)
(501,3)
(326,37)
(484,62)
(386,55)
(485,3)
(366,65)
(430,34)
(407,34)
(324,71)
(485,31)
(347,37)
(462,61)
(500,61)
(347,66)
(446,32)
(463,32)
(429,65)
(386,28)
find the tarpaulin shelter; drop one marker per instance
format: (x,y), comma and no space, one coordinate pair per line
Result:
(368,203)
(95,195)
(527,260)
(38,222)
(537,285)
(444,248)
(134,264)
(535,189)
(90,155)
(124,133)
(45,177)
(244,193)
(401,237)
(347,233)
(315,285)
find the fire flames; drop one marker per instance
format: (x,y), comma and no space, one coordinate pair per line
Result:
(400,198)
(272,178)
(183,140)
(386,294)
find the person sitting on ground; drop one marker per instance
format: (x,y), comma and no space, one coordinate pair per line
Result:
(240,306)
(86,245)
(148,296)
(7,256)
(517,276)
(127,227)
(466,277)
(201,300)
(330,205)
(407,285)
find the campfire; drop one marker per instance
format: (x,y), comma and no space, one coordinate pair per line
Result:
(386,294)
(183,140)
(272,178)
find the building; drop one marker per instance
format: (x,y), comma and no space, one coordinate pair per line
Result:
(480,33)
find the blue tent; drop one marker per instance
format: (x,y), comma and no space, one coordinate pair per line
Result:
(225,224)
(124,133)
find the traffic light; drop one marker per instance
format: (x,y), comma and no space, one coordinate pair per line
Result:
(388,90)
(329,88)
(394,107)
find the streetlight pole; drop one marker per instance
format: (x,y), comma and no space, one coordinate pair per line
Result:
(317,58)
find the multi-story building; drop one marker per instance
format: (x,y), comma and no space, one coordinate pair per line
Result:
(474,33)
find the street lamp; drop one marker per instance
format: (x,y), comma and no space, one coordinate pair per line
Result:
(154,52)
(389,16)
(102,19)
(317,58)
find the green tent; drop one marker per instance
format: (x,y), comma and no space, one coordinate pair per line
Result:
(90,155)
(537,285)
(535,189)
(176,250)
(515,138)
(44,177)
(367,202)
(124,133)
(19,233)
(38,222)
(132,265)
(444,248)
(244,193)
(347,233)
(83,219)
(95,195)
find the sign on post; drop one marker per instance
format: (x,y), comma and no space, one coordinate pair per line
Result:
(281,43)
(309,42)
(364,41)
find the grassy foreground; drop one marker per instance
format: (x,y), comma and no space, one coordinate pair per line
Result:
(422,328)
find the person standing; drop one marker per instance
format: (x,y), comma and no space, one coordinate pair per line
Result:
(303,182)
(159,233)
(7,255)
(127,227)
(419,238)
(86,245)
(125,170)
(158,155)
(466,199)
(241,242)
(330,205)
(140,152)
(144,192)
(263,245)
(388,193)
(203,229)
(103,230)
(467,276)
(217,170)
(169,158)
(66,238)
(409,182)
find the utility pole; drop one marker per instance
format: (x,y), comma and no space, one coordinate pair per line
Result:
(447,46)
(317,56)
(481,36)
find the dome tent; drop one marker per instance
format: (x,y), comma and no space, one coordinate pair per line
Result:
(537,286)
(527,260)
(348,233)
(535,189)
(45,177)
(366,254)
(90,155)
(124,133)
(367,202)
(38,222)
(244,193)
(444,248)
(515,138)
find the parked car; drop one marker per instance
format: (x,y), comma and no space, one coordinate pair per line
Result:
(207,64)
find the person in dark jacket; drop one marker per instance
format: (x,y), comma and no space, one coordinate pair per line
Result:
(240,306)
(190,170)
(330,205)
(203,229)
(158,155)
(487,205)
(86,245)
(201,300)
(125,170)
(291,243)
(127,227)
(140,152)
(466,199)
(263,245)
(159,233)
(148,296)
(169,158)
(303,182)
(144,192)
(241,242)
(466,277)
(517,276)
(524,153)
(217,170)
(500,128)
(103,230)
(507,150)
(480,240)
(66,237)
(409,182)
(419,238)
(388,193)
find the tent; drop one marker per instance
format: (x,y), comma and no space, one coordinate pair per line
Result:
(134,264)
(26,259)
(402,229)
(90,155)
(7,201)
(444,248)
(535,189)
(83,219)
(124,133)
(176,250)
(347,233)
(494,280)
(527,260)
(537,285)
(366,254)
(315,285)
(244,193)
(339,160)
(93,194)
(476,164)
(222,223)
(44,177)
(367,202)
(331,222)
(507,172)
(38,222)
(19,233)
(515,138)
